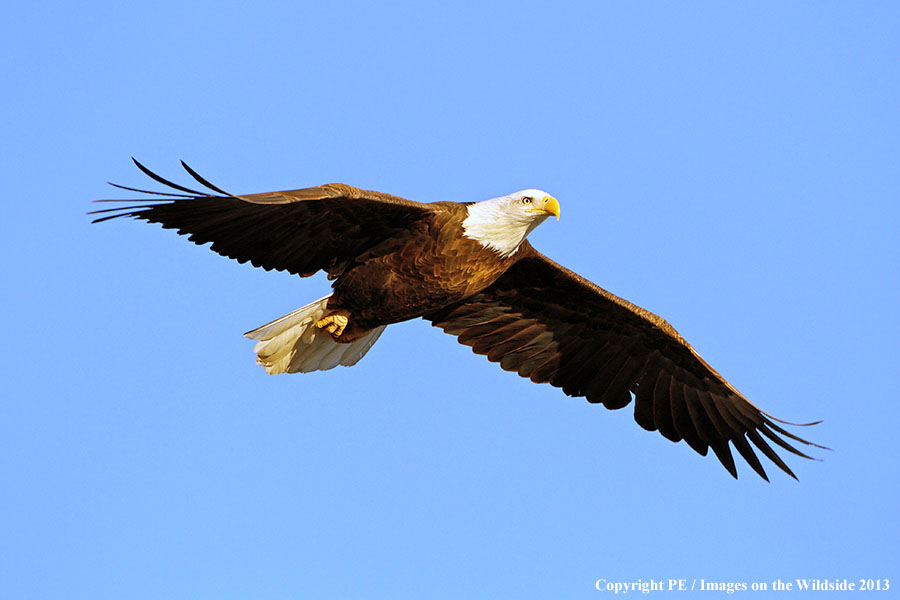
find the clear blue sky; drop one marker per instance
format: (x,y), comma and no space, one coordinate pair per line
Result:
(731,167)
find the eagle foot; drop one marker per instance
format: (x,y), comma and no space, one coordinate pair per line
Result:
(335,323)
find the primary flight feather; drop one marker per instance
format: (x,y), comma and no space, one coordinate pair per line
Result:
(469,269)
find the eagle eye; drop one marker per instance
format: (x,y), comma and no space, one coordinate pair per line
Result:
(527,200)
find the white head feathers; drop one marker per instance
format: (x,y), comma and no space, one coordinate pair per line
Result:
(501,224)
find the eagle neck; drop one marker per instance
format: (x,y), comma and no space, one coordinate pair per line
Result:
(495,228)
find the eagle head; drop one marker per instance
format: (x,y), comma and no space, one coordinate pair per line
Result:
(502,224)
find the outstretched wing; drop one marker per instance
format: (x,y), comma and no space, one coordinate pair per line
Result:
(299,231)
(550,325)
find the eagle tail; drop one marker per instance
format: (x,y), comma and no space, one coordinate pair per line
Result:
(293,343)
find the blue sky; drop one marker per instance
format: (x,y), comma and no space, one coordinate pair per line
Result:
(731,167)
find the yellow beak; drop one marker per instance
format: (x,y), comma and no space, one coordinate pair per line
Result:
(551,206)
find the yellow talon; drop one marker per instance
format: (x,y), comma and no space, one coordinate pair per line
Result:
(333,324)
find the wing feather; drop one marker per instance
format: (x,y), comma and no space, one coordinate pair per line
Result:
(662,411)
(745,450)
(702,426)
(618,394)
(681,417)
(643,397)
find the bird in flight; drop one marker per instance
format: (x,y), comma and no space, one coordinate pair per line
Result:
(468,268)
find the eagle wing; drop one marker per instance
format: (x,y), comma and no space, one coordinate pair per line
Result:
(299,231)
(550,325)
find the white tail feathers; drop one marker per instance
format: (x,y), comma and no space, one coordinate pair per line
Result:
(293,343)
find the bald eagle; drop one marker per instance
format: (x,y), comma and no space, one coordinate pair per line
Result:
(469,270)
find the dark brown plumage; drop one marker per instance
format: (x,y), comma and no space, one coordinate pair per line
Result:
(393,260)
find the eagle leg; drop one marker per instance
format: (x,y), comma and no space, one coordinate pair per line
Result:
(334,323)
